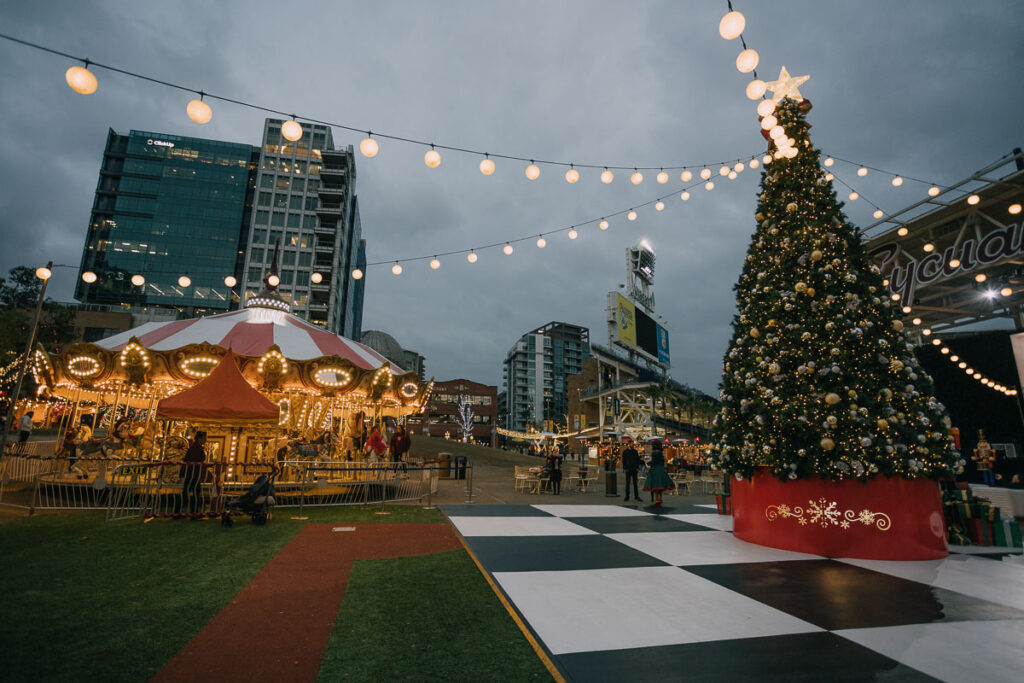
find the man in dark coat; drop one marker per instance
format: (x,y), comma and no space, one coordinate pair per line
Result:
(631,468)
(191,471)
(399,444)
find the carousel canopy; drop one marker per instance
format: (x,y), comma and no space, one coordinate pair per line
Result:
(223,397)
(251,332)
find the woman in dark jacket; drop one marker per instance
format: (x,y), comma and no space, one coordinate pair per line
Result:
(191,472)
(657,478)
(555,469)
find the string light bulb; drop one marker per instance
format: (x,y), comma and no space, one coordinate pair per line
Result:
(432,158)
(878,213)
(854,196)
(980,277)
(607,176)
(686,176)
(756,89)
(731,25)
(572,175)
(862,171)
(138,280)
(928,247)
(685,196)
(916,321)
(973,199)
(435,263)
(508,249)
(662,178)
(637,177)
(732,175)
(897,181)
(747,60)
(933,191)
(291,130)
(43,273)
(829,161)
(532,171)
(954,263)
(186,281)
(754,163)
(903,230)
(471,257)
(397,268)
(487,165)
(829,177)
(724,171)
(81,80)
(573,234)
(357,274)
(705,173)
(1014,209)
(631,215)
(541,242)
(1006,291)
(316,278)
(766,159)
(659,206)
(369,147)
(89,277)
(709,185)
(199,111)
(603,224)
(230,281)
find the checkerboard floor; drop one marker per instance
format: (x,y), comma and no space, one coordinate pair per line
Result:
(665,594)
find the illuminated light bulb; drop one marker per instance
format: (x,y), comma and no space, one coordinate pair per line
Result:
(660,206)
(89,277)
(273,281)
(936,342)
(508,249)
(316,278)
(732,175)
(903,230)
(926,332)
(432,158)
(980,277)
(854,196)
(961,365)
(686,176)
(776,132)
(731,25)
(435,263)
(709,186)
(81,80)
(186,281)
(138,280)
(756,88)
(573,234)
(895,296)
(43,273)
(291,130)
(897,181)
(603,225)
(533,171)
(862,171)
(705,173)
(928,247)
(944,350)
(753,163)
(777,155)
(685,196)
(572,175)
(631,215)
(878,213)
(765,107)
(541,243)
(790,153)
(829,161)
(933,191)
(471,257)
(369,147)
(977,375)
(738,167)
(607,176)
(487,166)
(724,171)
(906,309)
(747,60)
(916,321)
(636,178)
(357,274)
(662,178)
(829,177)
(973,199)
(1014,209)
(1006,291)
(230,281)
(199,111)
(954,359)
(766,159)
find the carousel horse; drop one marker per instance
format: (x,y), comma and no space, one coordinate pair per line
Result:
(353,436)
(123,440)
(326,443)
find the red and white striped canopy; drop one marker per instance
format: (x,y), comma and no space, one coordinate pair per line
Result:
(250,332)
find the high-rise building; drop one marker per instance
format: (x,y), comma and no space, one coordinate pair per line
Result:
(340,247)
(387,346)
(173,210)
(536,374)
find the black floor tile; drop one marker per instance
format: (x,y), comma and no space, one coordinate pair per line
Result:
(799,657)
(555,553)
(627,525)
(492,511)
(835,595)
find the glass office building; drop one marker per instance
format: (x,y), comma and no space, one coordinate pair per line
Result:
(168,206)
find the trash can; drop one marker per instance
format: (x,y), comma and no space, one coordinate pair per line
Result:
(611,483)
(444,465)
(459,471)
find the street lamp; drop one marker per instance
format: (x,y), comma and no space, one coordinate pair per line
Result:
(43,274)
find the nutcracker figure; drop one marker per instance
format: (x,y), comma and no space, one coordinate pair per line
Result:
(985,459)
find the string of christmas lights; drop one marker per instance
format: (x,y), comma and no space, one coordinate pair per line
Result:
(971,372)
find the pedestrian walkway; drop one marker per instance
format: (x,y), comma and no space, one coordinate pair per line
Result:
(665,594)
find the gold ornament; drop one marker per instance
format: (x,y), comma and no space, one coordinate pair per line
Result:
(791,207)
(755,333)
(828,444)
(882,424)
(816,255)
(897,325)
(831,398)
(810,291)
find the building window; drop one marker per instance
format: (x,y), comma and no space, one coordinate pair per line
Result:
(305,259)
(259,236)
(287,277)
(277,219)
(262,218)
(288,258)
(300,167)
(295,202)
(264,199)
(267,180)
(257,256)
(283,182)
(293,220)
(301,278)
(311,203)
(280,201)
(309,222)
(298,184)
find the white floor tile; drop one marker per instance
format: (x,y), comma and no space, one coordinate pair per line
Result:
(952,651)
(715,521)
(992,580)
(610,609)
(517,526)
(704,547)
(591,511)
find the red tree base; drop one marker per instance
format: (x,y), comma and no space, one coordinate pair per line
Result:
(883,519)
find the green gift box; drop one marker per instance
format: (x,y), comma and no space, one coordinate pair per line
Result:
(1000,533)
(1014,539)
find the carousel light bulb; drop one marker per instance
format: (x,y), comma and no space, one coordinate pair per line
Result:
(903,230)
(928,247)
(573,234)
(731,25)
(686,176)
(878,213)
(662,178)
(862,171)
(369,147)
(631,215)
(572,175)
(853,196)
(199,111)
(89,277)
(138,280)
(357,274)
(81,80)
(471,257)
(487,166)
(660,206)
(705,173)
(607,176)
(747,60)
(272,280)
(43,273)
(1006,291)
(685,196)
(316,278)
(756,89)
(636,178)
(709,185)
(724,171)
(897,181)
(186,281)
(435,263)
(508,249)
(541,242)
(980,277)
(532,172)
(230,281)
(754,163)
(916,321)
(933,191)
(732,175)
(397,268)
(432,158)
(1014,209)
(291,130)
(973,199)
(829,161)
(603,225)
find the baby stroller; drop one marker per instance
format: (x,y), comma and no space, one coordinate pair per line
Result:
(256,503)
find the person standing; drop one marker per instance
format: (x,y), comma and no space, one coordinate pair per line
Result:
(657,478)
(191,471)
(375,445)
(25,429)
(555,471)
(399,444)
(631,468)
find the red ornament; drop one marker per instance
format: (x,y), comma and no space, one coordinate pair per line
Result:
(805,105)
(765,134)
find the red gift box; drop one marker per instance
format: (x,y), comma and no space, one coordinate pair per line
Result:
(724,503)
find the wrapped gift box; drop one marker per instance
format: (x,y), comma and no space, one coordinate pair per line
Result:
(724,504)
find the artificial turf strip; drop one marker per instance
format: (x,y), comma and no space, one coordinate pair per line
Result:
(426,618)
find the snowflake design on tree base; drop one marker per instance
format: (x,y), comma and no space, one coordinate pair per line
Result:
(825,513)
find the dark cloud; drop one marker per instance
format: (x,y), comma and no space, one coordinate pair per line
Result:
(923,87)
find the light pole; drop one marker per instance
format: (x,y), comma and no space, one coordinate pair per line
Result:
(43,274)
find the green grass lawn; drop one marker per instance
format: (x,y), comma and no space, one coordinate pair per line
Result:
(428,618)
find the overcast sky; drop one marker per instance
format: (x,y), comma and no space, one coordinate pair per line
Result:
(927,88)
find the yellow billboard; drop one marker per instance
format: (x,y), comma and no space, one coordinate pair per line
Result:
(625,321)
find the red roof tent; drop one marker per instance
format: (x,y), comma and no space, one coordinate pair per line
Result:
(223,396)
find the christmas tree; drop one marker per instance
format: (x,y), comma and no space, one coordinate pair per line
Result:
(820,379)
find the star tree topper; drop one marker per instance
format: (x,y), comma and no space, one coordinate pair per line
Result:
(786,86)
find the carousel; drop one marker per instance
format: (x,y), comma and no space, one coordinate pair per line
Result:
(263,384)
